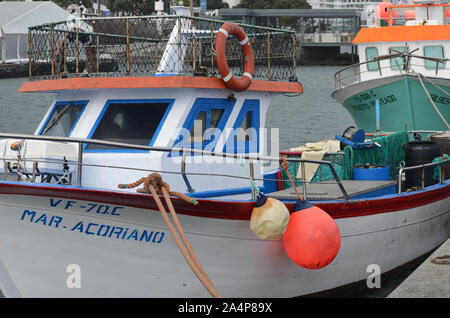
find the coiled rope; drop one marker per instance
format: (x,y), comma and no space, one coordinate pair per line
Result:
(441,260)
(156,181)
(154,184)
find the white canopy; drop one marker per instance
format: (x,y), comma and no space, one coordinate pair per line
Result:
(16,17)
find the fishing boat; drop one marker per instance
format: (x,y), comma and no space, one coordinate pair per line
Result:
(404,65)
(158,102)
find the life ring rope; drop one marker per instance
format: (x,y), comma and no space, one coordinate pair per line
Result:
(238,84)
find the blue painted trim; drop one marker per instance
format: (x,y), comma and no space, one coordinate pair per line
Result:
(222,192)
(252,106)
(129,101)
(82,103)
(271,186)
(166,74)
(206,105)
(376,193)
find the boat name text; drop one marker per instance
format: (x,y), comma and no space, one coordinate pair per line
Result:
(371,104)
(86,207)
(94,229)
(440,99)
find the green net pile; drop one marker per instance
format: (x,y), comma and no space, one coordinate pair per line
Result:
(323,173)
(390,153)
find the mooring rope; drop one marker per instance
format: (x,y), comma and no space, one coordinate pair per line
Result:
(444,259)
(419,76)
(155,179)
(435,85)
(285,165)
(154,185)
(253,185)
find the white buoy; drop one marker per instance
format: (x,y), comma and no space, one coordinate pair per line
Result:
(269,218)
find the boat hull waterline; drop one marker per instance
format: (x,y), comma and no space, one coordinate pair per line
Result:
(124,249)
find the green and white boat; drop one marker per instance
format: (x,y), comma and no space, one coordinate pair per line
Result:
(404,66)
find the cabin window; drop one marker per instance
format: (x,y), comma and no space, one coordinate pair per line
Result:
(245,135)
(397,62)
(131,122)
(371,52)
(63,118)
(205,123)
(436,52)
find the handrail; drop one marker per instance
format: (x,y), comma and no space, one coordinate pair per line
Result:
(257,157)
(338,78)
(36,27)
(423,166)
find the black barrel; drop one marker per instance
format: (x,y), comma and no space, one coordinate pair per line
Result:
(418,153)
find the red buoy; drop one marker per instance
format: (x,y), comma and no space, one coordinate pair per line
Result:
(312,239)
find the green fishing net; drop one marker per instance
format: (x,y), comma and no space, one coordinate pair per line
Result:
(389,153)
(323,172)
(437,169)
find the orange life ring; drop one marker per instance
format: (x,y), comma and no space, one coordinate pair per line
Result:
(237,84)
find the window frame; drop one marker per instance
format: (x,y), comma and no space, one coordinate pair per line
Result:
(129,101)
(243,146)
(82,103)
(392,59)
(204,104)
(434,64)
(376,69)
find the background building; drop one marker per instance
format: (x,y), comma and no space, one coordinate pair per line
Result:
(323,33)
(366,7)
(16,17)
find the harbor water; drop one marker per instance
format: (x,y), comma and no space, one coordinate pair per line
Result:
(309,117)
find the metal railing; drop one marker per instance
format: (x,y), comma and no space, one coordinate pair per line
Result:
(183,173)
(403,170)
(352,74)
(149,45)
(400,14)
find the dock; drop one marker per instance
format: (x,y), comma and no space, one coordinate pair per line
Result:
(10,70)
(429,280)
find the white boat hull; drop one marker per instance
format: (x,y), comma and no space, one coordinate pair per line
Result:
(35,251)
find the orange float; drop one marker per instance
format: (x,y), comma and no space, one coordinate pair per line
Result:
(237,84)
(312,239)
(381,9)
(409,14)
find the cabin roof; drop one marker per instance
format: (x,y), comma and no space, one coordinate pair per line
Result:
(403,34)
(152,82)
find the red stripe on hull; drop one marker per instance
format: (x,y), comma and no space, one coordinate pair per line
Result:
(229,209)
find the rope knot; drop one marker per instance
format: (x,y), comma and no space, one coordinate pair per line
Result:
(284,163)
(155,180)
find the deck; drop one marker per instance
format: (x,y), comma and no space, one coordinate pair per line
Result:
(328,190)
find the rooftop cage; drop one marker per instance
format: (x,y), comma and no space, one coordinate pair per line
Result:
(153,45)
